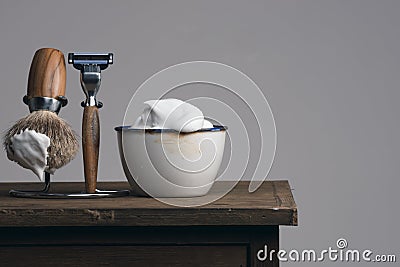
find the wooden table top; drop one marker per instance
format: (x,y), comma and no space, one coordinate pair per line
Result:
(271,204)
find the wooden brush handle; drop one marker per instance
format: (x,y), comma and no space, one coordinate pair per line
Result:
(47,75)
(90,146)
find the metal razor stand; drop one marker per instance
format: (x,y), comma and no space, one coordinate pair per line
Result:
(44,193)
(90,66)
(52,100)
(34,194)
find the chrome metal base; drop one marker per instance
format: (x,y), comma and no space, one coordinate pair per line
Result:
(44,193)
(98,194)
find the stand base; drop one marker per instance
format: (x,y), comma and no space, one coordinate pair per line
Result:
(41,194)
(44,193)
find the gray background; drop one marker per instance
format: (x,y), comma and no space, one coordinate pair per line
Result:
(329,69)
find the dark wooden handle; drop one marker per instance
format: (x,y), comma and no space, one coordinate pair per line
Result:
(47,75)
(90,146)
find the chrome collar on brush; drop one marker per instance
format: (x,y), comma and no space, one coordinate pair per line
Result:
(45,103)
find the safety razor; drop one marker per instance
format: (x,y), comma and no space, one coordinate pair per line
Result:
(90,66)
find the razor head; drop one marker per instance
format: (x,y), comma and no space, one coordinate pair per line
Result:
(79,60)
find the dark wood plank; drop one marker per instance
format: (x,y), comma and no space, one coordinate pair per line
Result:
(253,238)
(272,204)
(114,235)
(179,256)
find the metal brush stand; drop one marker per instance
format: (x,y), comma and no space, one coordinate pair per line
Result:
(54,105)
(44,193)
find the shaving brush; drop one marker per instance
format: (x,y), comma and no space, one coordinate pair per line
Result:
(45,97)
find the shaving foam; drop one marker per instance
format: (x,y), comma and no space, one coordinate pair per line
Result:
(29,149)
(171,114)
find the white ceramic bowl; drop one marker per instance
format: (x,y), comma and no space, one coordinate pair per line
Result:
(165,163)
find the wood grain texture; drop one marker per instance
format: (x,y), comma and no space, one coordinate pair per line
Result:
(47,75)
(90,146)
(272,204)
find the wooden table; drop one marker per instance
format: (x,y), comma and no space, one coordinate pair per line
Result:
(137,231)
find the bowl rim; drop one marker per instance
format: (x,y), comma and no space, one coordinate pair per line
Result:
(215,128)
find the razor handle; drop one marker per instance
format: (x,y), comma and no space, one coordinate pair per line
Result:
(90,146)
